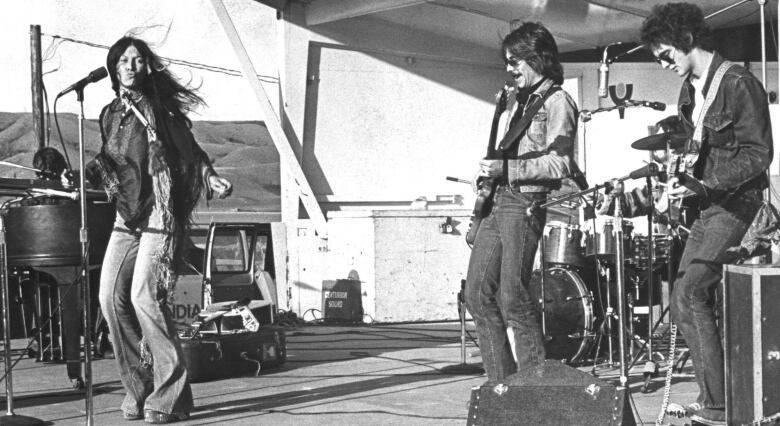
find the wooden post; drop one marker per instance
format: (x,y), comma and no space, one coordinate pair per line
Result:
(36,85)
(272,122)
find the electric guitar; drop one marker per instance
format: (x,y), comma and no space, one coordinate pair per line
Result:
(684,210)
(486,186)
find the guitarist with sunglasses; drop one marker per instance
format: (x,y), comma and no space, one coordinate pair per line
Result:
(527,162)
(724,111)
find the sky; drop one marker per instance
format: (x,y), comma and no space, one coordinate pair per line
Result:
(184,30)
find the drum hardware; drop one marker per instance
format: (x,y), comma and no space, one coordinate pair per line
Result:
(562,245)
(570,313)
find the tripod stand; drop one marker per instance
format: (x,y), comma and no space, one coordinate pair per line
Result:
(463,367)
(649,170)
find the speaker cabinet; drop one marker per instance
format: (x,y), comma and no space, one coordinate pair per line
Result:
(551,394)
(751,342)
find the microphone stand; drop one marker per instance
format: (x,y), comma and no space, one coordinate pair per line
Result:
(84,239)
(463,367)
(619,257)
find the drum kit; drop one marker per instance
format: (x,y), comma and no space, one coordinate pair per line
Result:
(597,276)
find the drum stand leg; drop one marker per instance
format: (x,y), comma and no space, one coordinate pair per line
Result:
(605,329)
(463,367)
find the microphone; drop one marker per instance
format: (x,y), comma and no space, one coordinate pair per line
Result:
(658,106)
(651,169)
(603,77)
(96,75)
(604,74)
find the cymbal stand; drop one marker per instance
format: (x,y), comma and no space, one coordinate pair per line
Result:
(619,270)
(621,292)
(551,203)
(651,367)
(84,239)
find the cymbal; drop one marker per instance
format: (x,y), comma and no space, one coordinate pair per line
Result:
(658,141)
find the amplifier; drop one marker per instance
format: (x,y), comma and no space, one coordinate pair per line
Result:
(551,394)
(342,301)
(752,342)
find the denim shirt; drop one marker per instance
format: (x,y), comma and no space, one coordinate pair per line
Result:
(549,140)
(737,139)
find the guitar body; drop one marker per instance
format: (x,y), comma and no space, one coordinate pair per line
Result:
(487,185)
(482,207)
(685,211)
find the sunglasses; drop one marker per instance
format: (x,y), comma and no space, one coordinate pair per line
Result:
(512,61)
(665,57)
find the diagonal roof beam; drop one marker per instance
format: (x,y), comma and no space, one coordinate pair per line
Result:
(282,144)
(324,11)
(629,10)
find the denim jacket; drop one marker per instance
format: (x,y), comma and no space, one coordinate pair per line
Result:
(547,146)
(736,145)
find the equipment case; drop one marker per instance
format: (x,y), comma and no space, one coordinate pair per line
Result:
(752,343)
(211,356)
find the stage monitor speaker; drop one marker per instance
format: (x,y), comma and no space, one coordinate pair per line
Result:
(551,394)
(752,343)
(342,301)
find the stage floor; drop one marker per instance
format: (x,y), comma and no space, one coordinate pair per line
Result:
(335,375)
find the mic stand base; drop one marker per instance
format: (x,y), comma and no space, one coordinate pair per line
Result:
(17,420)
(463,368)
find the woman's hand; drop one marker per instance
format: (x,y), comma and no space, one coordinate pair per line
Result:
(221,187)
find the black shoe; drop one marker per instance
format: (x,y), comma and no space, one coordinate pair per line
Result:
(159,418)
(131,416)
(709,417)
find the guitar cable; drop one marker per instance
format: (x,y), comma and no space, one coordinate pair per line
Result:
(669,372)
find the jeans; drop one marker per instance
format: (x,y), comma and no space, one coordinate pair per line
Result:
(497,295)
(693,301)
(134,308)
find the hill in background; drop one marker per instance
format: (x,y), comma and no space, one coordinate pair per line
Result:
(241,151)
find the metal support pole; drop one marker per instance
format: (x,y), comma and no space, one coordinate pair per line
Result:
(9,387)
(36,85)
(83,237)
(621,292)
(762,4)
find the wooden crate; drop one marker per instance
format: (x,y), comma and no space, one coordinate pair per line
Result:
(751,342)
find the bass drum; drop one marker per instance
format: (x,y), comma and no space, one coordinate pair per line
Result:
(569,313)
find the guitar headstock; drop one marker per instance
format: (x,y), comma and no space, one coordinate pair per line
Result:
(502,97)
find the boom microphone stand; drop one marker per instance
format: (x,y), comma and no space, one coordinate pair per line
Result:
(648,170)
(84,239)
(463,367)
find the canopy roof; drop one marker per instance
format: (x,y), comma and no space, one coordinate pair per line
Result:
(576,24)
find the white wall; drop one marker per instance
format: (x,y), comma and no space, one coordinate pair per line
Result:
(181,30)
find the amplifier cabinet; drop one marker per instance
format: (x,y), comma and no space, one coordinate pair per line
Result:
(751,295)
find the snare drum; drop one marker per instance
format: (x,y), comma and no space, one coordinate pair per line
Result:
(661,244)
(602,244)
(563,244)
(569,312)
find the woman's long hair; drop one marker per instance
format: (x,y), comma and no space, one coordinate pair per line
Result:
(164,90)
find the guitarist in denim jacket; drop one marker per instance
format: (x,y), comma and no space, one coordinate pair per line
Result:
(531,159)
(728,176)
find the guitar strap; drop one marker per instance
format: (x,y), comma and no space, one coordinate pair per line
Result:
(518,129)
(512,137)
(693,146)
